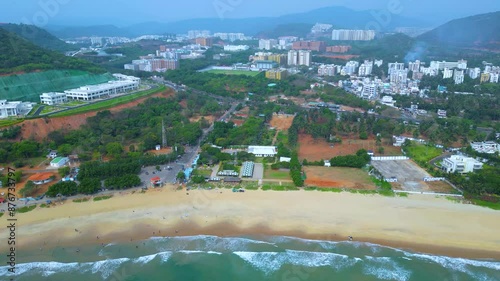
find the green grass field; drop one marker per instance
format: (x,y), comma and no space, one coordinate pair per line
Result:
(49,109)
(276,175)
(234,72)
(423,153)
(108,103)
(9,122)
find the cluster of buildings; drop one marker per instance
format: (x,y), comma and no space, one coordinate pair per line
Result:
(282,43)
(352,35)
(461,164)
(299,57)
(123,84)
(321,28)
(350,68)
(489,147)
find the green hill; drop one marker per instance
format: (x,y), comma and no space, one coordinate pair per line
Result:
(28,87)
(38,36)
(480,31)
(19,55)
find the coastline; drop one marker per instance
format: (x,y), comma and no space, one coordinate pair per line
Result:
(418,223)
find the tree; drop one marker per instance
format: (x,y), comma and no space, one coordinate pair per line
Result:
(89,186)
(181,176)
(381,150)
(64,171)
(29,189)
(66,188)
(114,149)
(65,149)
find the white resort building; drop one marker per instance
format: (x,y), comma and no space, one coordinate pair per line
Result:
(14,108)
(461,164)
(53,98)
(263,151)
(88,93)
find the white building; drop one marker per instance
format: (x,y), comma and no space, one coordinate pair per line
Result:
(14,108)
(440,65)
(458,76)
(399,76)
(369,91)
(321,27)
(230,36)
(263,151)
(441,113)
(327,70)
(267,44)
(494,77)
(236,48)
(365,68)
(414,66)
(447,73)
(53,98)
(59,162)
(352,35)
(388,100)
(301,57)
(489,147)
(122,77)
(461,164)
(97,91)
(474,73)
(395,66)
(192,34)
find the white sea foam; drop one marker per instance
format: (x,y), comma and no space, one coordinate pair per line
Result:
(272,261)
(105,267)
(462,265)
(385,268)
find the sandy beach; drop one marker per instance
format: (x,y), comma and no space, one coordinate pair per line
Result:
(420,223)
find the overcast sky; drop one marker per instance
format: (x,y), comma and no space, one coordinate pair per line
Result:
(123,12)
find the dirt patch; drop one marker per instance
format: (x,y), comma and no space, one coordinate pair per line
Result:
(338,177)
(318,149)
(209,118)
(281,122)
(38,129)
(440,187)
(237,122)
(162,151)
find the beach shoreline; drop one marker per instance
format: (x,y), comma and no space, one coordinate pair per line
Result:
(418,223)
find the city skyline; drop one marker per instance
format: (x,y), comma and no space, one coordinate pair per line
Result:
(59,12)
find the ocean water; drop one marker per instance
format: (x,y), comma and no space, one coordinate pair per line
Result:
(243,258)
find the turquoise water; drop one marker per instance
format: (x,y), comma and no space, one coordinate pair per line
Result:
(244,258)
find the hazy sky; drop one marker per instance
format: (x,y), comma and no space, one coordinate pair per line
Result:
(123,12)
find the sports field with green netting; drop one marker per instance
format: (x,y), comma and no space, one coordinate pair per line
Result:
(233,72)
(29,86)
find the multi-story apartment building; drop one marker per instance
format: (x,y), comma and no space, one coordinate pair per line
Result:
(267,44)
(318,46)
(352,35)
(276,74)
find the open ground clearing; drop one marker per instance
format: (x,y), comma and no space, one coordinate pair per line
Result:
(338,177)
(318,149)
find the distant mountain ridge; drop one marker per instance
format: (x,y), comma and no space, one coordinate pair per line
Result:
(481,31)
(338,16)
(20,55)
(38,36)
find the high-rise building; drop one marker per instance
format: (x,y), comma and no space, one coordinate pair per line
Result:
(293,57)
(279,58)
(352,35)
(267,44)
(230,36)
(399,76)
(474,73)
(205,41)
(327,70)
(366,68)
(305,57)
(396,66)
(458,76)
(440,65)
(192,34)
(369,91)
(447,73)
(485,77)
(318,46)
(414,66)
(350,68)
(301,57)
(494,77)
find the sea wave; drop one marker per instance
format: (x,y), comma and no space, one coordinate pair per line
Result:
(385,268)
(269,262)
